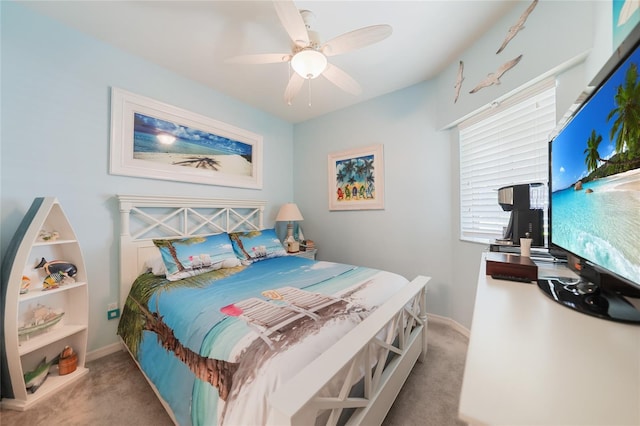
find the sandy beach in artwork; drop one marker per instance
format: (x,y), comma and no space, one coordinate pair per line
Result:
(232,164)
(626,181)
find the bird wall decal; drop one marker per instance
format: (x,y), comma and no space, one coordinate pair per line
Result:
(459,79)
(494,77)
(513,30)
(628,9)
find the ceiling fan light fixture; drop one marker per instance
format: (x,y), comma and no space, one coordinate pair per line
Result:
(309,63)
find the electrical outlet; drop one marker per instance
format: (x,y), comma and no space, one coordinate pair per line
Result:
(112,311)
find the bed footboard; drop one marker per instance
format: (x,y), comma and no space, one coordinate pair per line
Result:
(384,361)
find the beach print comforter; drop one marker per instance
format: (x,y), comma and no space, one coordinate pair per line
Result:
(218,344)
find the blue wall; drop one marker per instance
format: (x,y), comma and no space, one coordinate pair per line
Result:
(55,141)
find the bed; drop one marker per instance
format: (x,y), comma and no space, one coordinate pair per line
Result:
(260,337)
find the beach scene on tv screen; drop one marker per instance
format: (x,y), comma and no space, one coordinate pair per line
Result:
(595,176)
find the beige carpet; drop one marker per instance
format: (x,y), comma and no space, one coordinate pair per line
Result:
(115,393)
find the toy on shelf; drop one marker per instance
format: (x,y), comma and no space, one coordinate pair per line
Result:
(42,317)
(34,379)
(50,267)
(25,284)
(58,272)
(55,280)
(48,235)
(68,361)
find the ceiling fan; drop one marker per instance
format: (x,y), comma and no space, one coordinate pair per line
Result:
(308,56)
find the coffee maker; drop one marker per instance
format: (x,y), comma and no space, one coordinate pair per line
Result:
(524,201)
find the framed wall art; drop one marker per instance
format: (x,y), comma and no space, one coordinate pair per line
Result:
(151,139)
(626,15)
(356,179)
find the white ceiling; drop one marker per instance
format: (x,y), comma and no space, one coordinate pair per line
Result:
(193,38)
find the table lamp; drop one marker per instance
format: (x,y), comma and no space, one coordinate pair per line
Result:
(289,213)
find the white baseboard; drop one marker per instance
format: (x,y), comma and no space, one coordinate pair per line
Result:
(104,351)
(451,323)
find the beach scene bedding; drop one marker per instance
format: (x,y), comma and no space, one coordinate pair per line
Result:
(217,345)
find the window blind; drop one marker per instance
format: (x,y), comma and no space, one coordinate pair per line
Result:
(506,145)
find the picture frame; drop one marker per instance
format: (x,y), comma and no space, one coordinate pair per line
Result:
(151,139)
(361,169)
(625,19)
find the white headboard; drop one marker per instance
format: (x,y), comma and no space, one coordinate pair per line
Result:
(145,217)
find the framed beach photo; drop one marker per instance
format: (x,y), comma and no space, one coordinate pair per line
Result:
(151,139)
(356,179)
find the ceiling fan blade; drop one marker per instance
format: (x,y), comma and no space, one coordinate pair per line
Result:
(292,22)
(356,39)
(342,80)
(293,87)
(261,58)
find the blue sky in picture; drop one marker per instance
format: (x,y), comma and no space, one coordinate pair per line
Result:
(147,129)
(567,149)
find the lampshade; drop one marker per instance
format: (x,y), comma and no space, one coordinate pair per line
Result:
(289,212)
(309,63)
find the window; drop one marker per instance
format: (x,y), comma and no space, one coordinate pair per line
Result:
(503,146)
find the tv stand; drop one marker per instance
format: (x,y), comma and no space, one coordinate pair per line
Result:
(589,298)
(531,361)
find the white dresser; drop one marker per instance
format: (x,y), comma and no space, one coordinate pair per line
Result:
(532,361)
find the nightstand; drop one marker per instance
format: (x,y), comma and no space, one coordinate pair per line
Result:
(308,254)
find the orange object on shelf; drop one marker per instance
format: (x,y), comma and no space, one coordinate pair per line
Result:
(68,361)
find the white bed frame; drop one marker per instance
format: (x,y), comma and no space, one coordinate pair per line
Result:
(298,402)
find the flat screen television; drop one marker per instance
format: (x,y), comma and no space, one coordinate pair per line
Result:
(595,194)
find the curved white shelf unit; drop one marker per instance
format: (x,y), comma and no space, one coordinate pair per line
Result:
(21,354)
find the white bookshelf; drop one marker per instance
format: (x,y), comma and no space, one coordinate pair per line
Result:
(21,354)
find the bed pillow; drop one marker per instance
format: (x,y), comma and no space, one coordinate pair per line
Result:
(187,257)
(254,246)
(155,265)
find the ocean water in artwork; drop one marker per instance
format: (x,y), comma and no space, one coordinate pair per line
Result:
(152,135)
(146,143)
(604,225)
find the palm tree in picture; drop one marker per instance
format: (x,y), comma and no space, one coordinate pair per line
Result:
(626,126)
(592,158)
(200,163)
(368,166)
(371,185)
(348,167)
(361,168)
(138,318)
(340,177)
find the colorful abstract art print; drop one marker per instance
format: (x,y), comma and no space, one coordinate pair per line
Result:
(356,179)
(155,140)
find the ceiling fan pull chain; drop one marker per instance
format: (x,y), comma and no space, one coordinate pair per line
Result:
(309,92)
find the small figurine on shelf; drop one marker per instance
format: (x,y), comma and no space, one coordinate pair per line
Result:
(48,235)
(57,266)
(68,361)
(25,284)
(55,280)
(34,379)
(41,318)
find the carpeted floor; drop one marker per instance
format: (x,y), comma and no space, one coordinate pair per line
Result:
(115,393)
